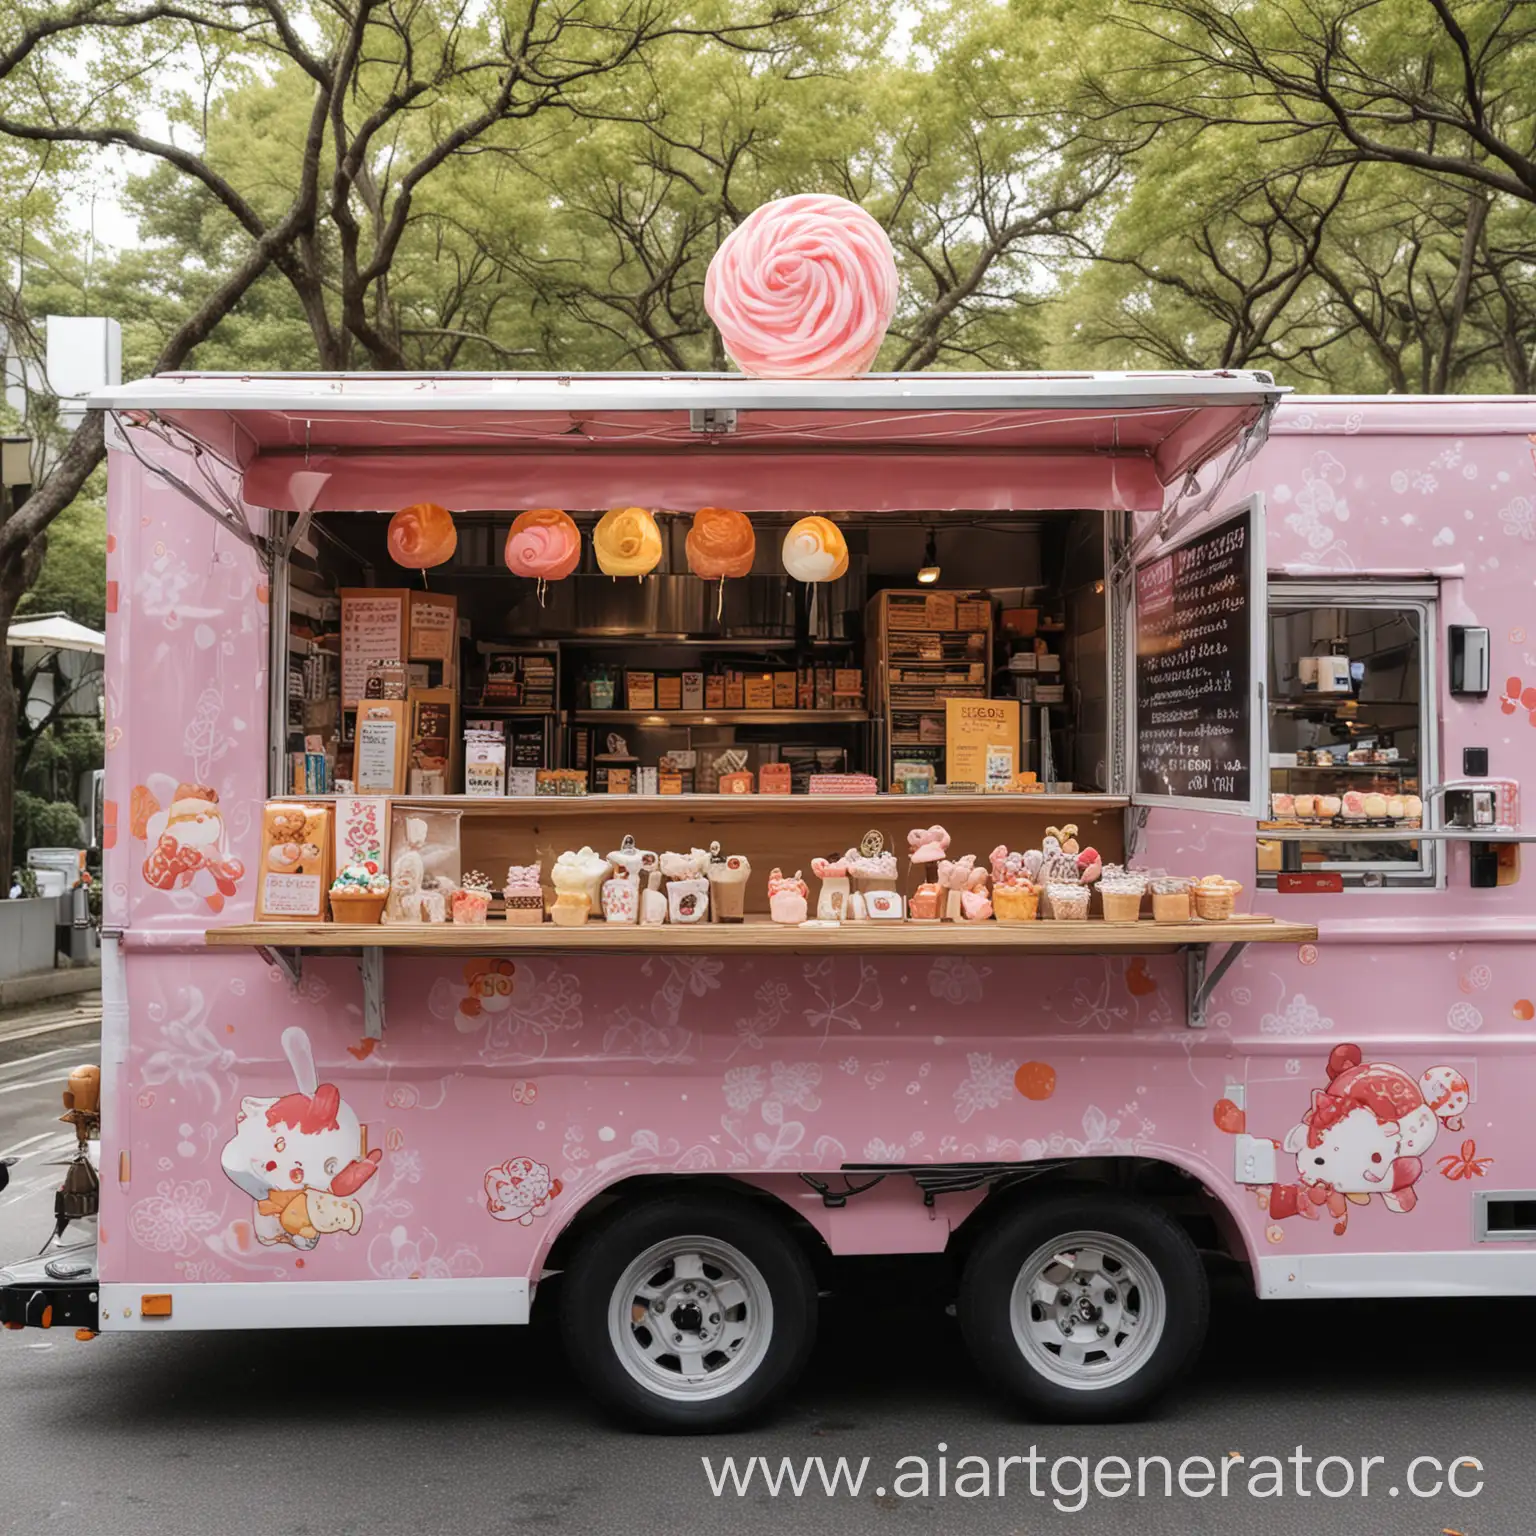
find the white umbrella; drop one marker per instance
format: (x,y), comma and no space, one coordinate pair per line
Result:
(55,632)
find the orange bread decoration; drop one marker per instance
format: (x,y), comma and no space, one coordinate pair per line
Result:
(720,543)
(422,536)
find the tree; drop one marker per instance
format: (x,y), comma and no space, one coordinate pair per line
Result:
(364,104)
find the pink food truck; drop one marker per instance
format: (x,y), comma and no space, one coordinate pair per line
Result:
(1066,823)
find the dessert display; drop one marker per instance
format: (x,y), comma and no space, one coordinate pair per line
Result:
(1369,807)
(359,894)
(413,896)
(472,901)
(788,897)
(578,880)
(728,876)
(621,890)
(804,288)
(833,901)
(523,895)
(1214,897)
(632,886)
(422,536)
(1120,895)
(627,542)
(1170,899)
(815,550)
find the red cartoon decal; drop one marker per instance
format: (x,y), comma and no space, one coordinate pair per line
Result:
(519,1189)
(1515,698)
(1365,1135)
(187,843)
(490,986)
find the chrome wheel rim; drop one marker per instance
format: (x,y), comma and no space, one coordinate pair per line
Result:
(691,1318)
(1088,1310)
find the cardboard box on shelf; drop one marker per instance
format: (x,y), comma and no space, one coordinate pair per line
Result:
(669,691)
(736,690)
(693,690)
(758,692)
(640,690)
(774,779)
(783,690)
(824,678)
(714,691)
(939,610)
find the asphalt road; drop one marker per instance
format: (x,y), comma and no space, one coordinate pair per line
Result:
(376,1432)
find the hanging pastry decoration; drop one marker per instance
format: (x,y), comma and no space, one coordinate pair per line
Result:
(720,544)
(422,536)
(815,550)
(803,288)
(543,543)
(627,542)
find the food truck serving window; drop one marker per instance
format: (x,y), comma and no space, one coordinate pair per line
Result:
(1197,683)
(1351,666)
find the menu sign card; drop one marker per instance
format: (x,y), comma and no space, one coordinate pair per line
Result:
(1194,666)
(372,631)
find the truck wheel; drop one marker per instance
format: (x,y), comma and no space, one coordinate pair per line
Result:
(689,1313)
(1084,1307)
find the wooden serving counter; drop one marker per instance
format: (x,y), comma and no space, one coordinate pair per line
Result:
(1044,936)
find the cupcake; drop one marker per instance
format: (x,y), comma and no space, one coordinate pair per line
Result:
(788,897)
(924,905)
(1015,900)
(359,894)
(472,900)
(523,895)
(583,871)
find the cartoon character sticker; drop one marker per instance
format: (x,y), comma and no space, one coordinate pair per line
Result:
(302,1157)
(490,985)
(188,842)
(1365,1136)
(519,1189)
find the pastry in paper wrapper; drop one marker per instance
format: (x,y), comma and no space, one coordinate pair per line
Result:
(803,288)
(422,536)
(627,542)
(815,550)
(543,543)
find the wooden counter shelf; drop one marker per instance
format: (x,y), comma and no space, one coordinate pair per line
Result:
(286,943)
(920,808)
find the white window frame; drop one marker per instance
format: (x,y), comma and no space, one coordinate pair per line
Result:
(1363,592)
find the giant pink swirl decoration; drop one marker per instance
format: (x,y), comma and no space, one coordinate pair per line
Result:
(803,288)
(543,543)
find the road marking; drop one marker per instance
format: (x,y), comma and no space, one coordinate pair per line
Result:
(30,1141)
(22,1062)
(53,1027)
(36,1082)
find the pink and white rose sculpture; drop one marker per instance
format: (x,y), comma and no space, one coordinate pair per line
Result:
(803,288)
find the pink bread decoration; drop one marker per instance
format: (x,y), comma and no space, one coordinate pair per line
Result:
(804,288)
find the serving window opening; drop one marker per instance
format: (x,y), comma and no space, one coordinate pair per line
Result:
(1352,740)
(469,681)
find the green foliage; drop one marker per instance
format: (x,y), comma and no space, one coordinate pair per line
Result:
(44,823)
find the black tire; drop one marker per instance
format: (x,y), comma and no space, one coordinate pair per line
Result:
(995,1266)
(598,1266)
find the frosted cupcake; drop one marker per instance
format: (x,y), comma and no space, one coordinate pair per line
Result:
(582,871)
(1068,903)
(788,897)
(1170,899)
(1121,895)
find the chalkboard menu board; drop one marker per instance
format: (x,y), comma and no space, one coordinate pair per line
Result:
(1196,733)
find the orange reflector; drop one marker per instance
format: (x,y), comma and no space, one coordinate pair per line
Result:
(85,1333)
(46,1320)
(16,1326)
(154,1306)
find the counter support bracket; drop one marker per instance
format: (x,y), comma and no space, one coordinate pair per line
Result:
(289,961)
(1201,979)
(372,967)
